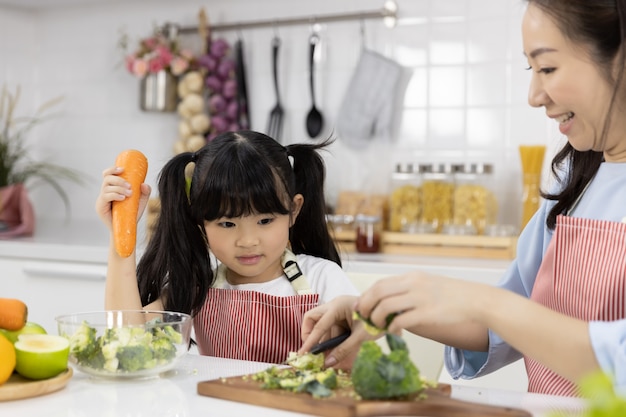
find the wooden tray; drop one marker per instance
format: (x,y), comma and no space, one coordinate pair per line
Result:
(343,404)
(17,387)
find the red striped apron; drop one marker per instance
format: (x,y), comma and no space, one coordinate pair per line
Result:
(583,275)
(251,325)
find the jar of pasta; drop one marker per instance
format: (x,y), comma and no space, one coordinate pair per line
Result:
(475,205)
(437,194)
(404,198)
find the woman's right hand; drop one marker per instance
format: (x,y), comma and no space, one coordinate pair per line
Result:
(116,188)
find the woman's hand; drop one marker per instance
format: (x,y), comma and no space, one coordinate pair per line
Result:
(421,301)
(116,188)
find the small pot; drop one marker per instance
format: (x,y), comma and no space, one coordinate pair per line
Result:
(158,92)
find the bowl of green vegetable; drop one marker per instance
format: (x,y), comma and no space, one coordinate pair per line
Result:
(126,343)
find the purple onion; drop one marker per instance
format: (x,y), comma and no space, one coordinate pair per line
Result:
(219,48)
(229,89)
(213,83)
(208,62)
(226,68)
(217,104)
(219,124)
(231,110)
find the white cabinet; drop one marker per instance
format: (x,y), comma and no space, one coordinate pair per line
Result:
(52,288)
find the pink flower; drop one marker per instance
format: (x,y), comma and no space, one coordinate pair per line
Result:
(155,65)
(139,67)
(179,65)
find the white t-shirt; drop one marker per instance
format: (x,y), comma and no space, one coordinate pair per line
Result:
(325,278)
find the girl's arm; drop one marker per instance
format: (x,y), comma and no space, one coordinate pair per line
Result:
(121,290)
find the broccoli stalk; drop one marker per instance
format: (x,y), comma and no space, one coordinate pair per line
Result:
(376,375)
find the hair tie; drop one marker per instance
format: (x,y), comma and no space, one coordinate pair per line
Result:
(194,157)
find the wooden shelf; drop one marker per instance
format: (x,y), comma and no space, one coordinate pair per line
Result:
(485,247)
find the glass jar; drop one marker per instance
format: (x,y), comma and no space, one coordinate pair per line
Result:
(368,233)
(405,198)
(475,204)
(437,196)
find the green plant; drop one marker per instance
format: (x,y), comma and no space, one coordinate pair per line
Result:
(16,167)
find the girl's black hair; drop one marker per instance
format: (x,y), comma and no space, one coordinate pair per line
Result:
(598,25)
(235,174)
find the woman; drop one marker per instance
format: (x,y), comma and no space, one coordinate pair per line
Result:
(561,304)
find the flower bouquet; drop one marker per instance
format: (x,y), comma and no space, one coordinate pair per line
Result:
(159,52)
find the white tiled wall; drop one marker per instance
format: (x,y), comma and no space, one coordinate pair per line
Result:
(465,96)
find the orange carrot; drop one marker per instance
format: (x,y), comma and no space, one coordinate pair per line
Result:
(13,314)
(124,213)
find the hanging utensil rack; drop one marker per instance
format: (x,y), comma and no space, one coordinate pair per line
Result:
(388,13)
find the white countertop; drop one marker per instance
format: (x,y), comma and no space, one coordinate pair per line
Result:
(175,394)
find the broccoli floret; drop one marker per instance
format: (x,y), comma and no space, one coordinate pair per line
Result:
(370,327)
(376,375)
(134,357)
(163,350)
(85,347)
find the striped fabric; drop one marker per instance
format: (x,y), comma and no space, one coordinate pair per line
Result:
(250,325)
(583,275)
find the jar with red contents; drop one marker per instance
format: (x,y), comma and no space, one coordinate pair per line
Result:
(368,233)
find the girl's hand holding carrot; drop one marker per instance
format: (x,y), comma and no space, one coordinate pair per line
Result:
(123,198)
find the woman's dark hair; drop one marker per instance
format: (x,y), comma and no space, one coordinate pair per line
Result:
(235,174)
(598,25)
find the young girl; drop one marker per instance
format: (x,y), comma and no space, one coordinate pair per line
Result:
(257,207)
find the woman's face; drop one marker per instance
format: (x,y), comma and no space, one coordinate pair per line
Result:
(570,86)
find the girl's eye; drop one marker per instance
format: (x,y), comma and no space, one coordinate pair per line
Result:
(226,225)
(266,221)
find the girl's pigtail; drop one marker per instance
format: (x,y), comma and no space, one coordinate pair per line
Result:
(310,234)
(176,262)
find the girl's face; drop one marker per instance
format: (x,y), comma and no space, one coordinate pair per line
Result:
(251,246)
(570,86)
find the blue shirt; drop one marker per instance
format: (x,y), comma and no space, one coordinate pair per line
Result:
(605,199)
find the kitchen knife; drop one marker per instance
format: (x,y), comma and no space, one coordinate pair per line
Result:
(330,343)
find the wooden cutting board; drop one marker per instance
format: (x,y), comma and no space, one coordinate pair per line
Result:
(437,401)
(17,387)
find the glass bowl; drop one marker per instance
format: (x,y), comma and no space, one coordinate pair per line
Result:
(126,343)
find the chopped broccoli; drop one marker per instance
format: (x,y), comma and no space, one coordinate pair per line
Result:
(376,375)
(306,361)
(305,375)
(124,349)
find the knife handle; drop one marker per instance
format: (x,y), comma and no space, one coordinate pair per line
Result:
(330,343)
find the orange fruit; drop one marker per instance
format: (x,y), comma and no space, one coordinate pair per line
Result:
(7,359)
